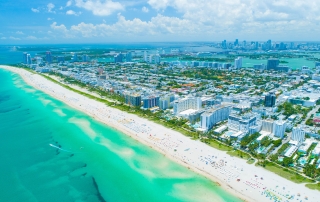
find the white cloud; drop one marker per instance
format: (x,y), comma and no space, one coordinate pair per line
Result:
(49,19)
(157,26)
(71,12)
(104,8)
(145,9)
(19,32)
(32,38)
(69,3)
(204,20)
(242,16)
(61,29)
(14,38)
(159,4)
(51,6)
(35,10)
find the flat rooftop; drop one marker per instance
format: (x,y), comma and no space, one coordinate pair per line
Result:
(188,111)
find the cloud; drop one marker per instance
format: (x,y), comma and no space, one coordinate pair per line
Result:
(19,32)
(51,6)
(69,3)
(159,25)
(14,38)
(61,29)
(245,15)
(204,20)
(71,12)
(145,9)
(32,38)
(49,19)
(3,38)
(104,8)
(159,4)
(35,10)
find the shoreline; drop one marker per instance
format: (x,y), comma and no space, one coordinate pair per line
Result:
(175,146)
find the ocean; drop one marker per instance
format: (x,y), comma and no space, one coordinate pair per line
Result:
(52,152)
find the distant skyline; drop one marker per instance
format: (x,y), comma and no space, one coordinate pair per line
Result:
(107,21)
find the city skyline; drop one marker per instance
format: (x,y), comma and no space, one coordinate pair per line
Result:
(107,21)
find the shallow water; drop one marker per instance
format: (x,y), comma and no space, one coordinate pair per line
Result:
(94,162)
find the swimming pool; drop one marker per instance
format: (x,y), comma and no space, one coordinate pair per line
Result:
(229,133)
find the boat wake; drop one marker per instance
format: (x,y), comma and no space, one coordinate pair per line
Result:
(54,146)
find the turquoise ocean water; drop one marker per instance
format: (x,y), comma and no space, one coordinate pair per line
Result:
(94,162)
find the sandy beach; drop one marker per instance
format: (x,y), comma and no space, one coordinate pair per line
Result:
(245,181)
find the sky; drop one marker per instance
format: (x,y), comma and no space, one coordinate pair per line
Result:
(108,21)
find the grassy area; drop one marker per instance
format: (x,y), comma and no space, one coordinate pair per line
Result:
(251,161)
(239,154)
(286,173)
(314,186)
(218,145)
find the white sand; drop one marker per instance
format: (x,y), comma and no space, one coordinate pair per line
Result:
(201,158)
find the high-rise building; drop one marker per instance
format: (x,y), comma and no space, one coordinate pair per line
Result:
(29,60)
(292,46)
(154,59)
(211,117)
(164,102)
(279,127)
(118,58)
(270,100)
(256,45)
(298,134)
(224,44)
(145,56)
(133,99)
(128,57)
(85,58)
(272,64)
(151,101)
(269,45)
(282,46)
(48,57)
(24,58)
(187,103)
(238,63)
(74,57)
(244,43)
(236,42)
(267,125)
(241,123)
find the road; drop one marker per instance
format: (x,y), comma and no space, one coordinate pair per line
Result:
(313,111)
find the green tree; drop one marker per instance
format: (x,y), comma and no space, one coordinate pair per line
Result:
(287,161)
(277,143)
